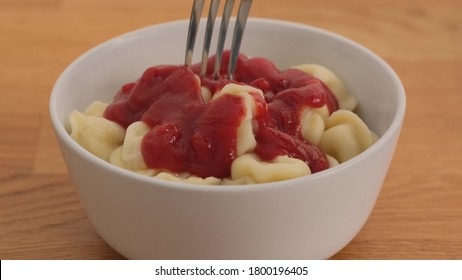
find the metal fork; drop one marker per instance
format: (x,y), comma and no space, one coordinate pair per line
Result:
(241,20)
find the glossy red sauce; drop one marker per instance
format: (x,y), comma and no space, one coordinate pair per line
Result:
(189,135)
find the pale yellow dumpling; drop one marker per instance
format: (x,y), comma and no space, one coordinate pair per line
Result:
(129,154)
(94,133)
(188,178)
(312,125)
(331,80)
(245,136)
(280,168)
(346,136)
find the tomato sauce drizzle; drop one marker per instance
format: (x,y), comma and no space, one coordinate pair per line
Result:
(188,134)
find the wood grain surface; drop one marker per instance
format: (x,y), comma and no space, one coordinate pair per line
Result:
(419,212)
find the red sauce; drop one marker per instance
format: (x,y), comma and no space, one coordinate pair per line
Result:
(189,135)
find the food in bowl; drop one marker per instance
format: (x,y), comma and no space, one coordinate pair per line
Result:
(265,125)
(308,217)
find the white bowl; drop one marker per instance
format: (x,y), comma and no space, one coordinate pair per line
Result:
(310,217)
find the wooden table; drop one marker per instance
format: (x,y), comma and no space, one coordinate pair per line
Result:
(419,212)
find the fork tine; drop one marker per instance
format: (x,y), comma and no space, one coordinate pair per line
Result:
(208,34)
(241,20)
(222,36)
(192,30)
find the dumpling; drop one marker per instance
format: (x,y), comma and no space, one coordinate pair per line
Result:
(331,80)
(129,154)
(188,178)
(312,124)
(346,136)
(245,136)
(281,168)
(96,134)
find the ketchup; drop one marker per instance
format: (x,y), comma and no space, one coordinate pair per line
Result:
(188,134)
